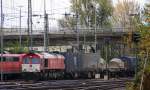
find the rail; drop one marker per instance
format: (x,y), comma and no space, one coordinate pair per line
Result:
(67,85)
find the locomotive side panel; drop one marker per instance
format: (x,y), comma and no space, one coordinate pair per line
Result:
(11,63)
(60,62)
(53,62)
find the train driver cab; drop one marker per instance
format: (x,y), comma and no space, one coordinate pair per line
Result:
(31,63)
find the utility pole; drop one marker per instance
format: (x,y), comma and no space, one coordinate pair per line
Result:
(30,25)
(95,30)
(46,33)
(20,36)
(106,56)
(77,28)
(1,33)
(45,28)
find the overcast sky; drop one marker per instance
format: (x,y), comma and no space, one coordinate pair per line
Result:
(56,8)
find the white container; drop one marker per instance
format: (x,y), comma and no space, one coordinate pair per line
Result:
(105,77)
(97,76)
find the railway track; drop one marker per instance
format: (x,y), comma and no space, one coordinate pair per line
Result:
(65,85)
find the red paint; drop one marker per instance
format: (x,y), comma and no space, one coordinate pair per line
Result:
(56,63)
(11,66)
(31,55)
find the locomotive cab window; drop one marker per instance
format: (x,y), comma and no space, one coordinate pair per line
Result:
(45,62)
(4,59)
(15,59)
(26,61)
(35,61)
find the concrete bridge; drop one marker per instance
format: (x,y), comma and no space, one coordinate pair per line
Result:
(64,36)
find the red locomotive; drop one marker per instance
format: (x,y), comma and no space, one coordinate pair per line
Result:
(53,65)
(31,63)
(11,65)
(42,65)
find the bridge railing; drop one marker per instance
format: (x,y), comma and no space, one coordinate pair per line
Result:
(98,30)
(16,31)
(24,31)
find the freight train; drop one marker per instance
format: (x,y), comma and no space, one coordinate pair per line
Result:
(83,65)
(87,65)
(64,65)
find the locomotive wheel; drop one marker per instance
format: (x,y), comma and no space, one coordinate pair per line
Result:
(76,75)
(24,76)
(89,75)
(27,76)
(62,75)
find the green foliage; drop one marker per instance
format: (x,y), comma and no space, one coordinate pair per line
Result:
(67,22)
(14,47)
(88,11)
(130,86)
(104,13)
(147,69)
(144,46)
(108,51)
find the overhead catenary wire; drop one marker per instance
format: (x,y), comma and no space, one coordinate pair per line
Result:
(12,13)
(1,66)
(26,11)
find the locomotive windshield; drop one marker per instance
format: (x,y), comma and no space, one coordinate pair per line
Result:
(26,60)
(35,61)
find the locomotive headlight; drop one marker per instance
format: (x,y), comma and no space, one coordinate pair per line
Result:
(24,70)
(36,70)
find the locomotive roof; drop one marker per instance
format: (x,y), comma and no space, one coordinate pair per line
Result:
(60,56)
(52,55)
(32,54)
(48,55)
(12,55)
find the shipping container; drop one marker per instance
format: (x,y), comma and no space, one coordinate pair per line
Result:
(90,61)
(83,61)
(71,62)
(130,62)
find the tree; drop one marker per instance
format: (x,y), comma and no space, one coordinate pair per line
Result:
(144,46)
(87,11)
(145,30)
(14,47)
(68,22)
(126,13)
